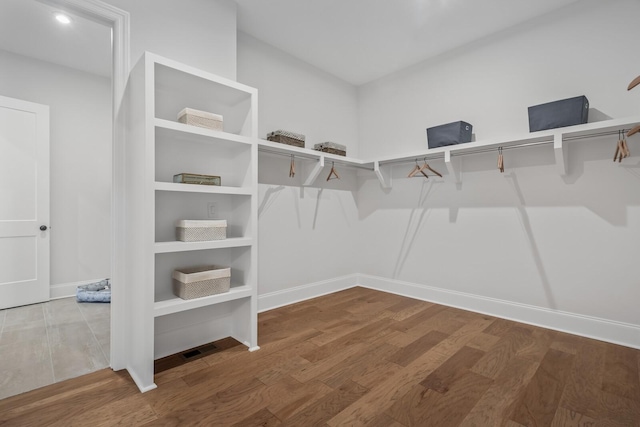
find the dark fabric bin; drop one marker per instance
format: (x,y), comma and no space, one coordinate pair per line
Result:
(558,114)
(449,134)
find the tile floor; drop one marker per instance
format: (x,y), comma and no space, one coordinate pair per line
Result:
(45,343)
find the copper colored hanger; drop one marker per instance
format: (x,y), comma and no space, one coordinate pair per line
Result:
(426,166)
(417,169)
(292,167)
(414,171)
(622,149)
(333,172)
(617,156)
(633,131)
(635,82)
(625,145)
(500,160)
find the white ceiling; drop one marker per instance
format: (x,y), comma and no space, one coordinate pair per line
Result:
(355,40)
(362,40)
(28,27)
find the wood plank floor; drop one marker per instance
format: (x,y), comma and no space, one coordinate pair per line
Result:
(362,357)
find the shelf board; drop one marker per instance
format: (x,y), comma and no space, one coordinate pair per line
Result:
(169,303)
(322,159)
(578,131)
(168,247)
(228,91)
(181,131)
(268,146)
(209,189)
(381,166)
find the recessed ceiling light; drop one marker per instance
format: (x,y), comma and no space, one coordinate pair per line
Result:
(62,18)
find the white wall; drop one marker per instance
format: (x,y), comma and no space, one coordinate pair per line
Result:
(80,141)
(296,96)
(199,33)
(306,235)
(528,236)
(582,49)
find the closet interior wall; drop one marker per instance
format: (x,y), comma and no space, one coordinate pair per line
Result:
(528,242)
(199,33)
(307,235)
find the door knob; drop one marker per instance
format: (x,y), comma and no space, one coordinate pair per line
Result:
(43,228)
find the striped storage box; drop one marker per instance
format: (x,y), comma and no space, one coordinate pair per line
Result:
(197,282)
(331,148)
(201,231)
(201,119)
(286,137)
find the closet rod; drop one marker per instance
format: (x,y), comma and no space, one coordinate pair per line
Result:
(595,135)
(505,147)
(312,157)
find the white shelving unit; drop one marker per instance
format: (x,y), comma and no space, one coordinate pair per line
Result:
(158,148)
(382,167)
(321,159)
(558,137)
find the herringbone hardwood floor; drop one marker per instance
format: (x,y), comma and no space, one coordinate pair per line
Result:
(362,357)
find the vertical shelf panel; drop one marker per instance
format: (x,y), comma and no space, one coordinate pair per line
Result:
(314,172)
(384,174)
(453,166)
(560,152)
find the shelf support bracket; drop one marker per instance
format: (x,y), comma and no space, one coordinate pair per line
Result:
(560,150)
(453,166)
(383,173)
(317,168)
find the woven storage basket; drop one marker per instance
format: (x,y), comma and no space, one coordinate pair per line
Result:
(331,148)
(201,231)
(285,137)
(201,119)
(197,282)
(195,178)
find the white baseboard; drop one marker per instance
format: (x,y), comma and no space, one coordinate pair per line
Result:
(591,327)
(300,293)
(141,385)
(66,290)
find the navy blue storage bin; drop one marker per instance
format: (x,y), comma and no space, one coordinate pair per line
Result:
(558,114)
(449,134)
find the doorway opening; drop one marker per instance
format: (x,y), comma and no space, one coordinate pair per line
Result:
(69,67)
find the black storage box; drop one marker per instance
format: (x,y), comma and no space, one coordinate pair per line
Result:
(449,134)
(558,114)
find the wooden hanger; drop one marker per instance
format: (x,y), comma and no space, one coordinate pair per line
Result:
(333,172)
(625,145)
(633,131)
(500,160)
(634,83)
(426,166)
(292,167)
(622,149)
(618,155)
(417,169)
(414,171)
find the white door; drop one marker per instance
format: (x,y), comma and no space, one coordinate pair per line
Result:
(24,202)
